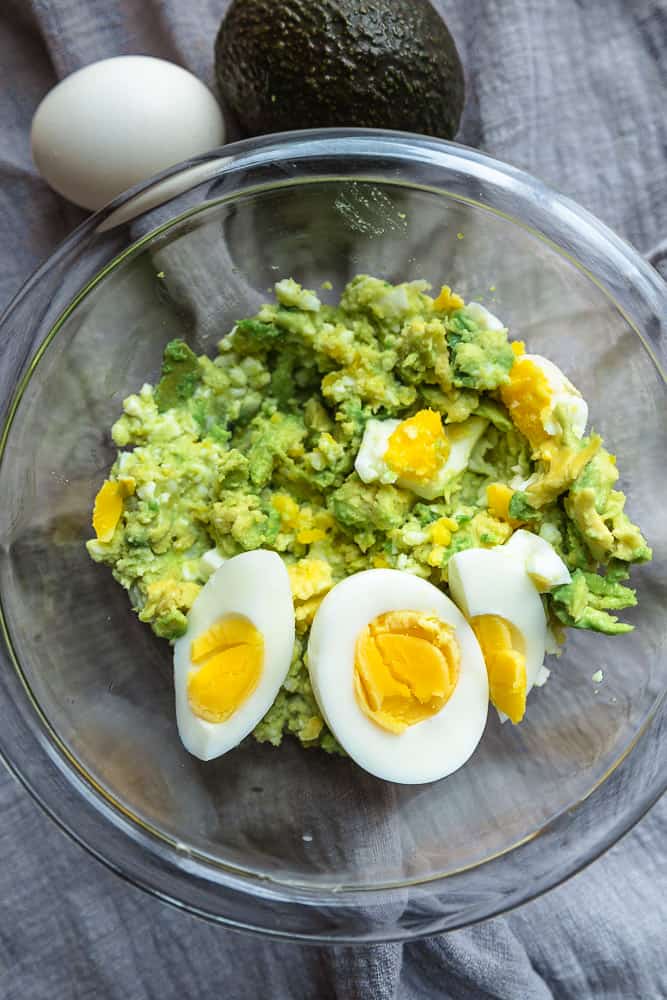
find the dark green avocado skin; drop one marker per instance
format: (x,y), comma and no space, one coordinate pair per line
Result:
(293,64)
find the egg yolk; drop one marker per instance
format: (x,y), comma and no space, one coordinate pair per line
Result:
(502,649)
(498,498)
(527,396)
(229,657)
(109,506)
(406,667)
(418,447)
(447,301)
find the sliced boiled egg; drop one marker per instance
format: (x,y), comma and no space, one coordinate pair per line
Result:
(501,602)
(235,654)
(418,453)
(398,675)
(541,401)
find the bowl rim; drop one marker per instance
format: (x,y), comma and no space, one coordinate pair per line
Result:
(335,143)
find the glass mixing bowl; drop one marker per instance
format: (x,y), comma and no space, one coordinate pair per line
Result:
(284,841)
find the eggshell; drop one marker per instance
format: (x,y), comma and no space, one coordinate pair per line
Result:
(117,122)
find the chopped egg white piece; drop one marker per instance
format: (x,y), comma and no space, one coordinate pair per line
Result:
(416,464)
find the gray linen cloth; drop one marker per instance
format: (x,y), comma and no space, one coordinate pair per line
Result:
(571,90)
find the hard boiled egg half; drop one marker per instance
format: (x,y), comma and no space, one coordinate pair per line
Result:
(418,454)
(498,590)
(234,657)
(398,675)
(541,401)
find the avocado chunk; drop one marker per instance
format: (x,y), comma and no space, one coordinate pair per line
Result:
(295,64)
(180,375)
(587,600)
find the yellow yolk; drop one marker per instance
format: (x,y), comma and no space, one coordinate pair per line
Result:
(518,348)
(310,579)
(310,535)
(288,510)
(418,447)
(406,666)
(109,506)
(527,395)
(505,664)
(229,657)
(447,301)
(307,526)
(441,531)
(498,497)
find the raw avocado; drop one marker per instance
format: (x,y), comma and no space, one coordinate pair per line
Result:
(294,64)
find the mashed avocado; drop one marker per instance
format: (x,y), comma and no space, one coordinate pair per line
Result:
(256,447)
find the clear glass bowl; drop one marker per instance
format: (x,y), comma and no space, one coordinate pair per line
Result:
(289,842)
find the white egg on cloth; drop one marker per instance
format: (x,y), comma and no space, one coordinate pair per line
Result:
(498,590)
(117,122)
(235,654)
(418,453)
(398,675)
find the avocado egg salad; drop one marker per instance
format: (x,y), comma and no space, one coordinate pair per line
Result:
(358,524)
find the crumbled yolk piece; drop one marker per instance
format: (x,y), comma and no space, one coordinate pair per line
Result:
(441,531)
(288,510)
(418,447)
(310,580)
(229,657)
(310,535)
(447,301)
(109,506)
(498,497)
(527,395)
(380,562)
(435,556)
(518,348)
(305,611)
(406,667)
(309,577)
(308,527)
(505,664)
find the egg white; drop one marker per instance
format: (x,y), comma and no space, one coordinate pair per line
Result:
(256,586)
(428,750)
(543,564)
(481,315)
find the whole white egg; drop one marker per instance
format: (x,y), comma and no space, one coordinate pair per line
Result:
(248,597)
(117,122)
(426,750)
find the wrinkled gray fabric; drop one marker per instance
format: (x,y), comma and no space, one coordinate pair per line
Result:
(571,90)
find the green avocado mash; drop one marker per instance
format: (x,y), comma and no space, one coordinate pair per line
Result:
(256,448)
